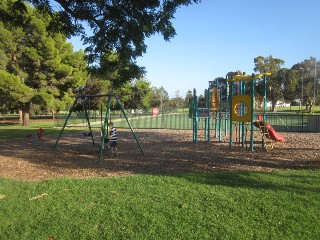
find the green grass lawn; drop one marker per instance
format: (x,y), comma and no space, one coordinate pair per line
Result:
(15,130)
(224,205)
(174,121)
(294,109)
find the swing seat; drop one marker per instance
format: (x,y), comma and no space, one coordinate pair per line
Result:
(87,134)
(106,139)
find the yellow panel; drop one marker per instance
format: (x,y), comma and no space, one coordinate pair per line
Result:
(240,78)
(243,102)
(215,99)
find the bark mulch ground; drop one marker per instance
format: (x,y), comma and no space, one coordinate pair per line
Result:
(166,152)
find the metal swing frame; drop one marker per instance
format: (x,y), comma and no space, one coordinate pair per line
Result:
(105,125)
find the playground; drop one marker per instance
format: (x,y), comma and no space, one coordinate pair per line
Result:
(242,142)
(166,152)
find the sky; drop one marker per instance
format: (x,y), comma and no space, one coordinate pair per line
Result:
(215,37)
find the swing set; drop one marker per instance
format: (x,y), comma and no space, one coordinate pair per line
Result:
(85,99)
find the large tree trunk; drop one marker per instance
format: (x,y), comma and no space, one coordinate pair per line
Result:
(20,116)
(53,112)
(25,114)
(273,106)
(53,116)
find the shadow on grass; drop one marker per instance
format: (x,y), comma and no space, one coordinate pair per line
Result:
(9,123)
(276,180)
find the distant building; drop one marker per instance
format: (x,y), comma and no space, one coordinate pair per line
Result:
(280,104)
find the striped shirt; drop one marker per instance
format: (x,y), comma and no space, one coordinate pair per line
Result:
(113,134)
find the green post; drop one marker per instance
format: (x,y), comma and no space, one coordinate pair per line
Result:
(220,112)
(216,122)
(252,112)
(207,116)
(242,91)
(230,115)
(134,134)
(191,107)
(208,106)
(204,115)
(65,123)
(105,129)
(195,117)
(105,126)
(88,120)
(101,112)
(264,106)
(227,109)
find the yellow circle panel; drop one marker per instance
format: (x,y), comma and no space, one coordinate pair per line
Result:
(241,108)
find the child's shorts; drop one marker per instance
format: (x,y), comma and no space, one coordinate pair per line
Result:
(113,143)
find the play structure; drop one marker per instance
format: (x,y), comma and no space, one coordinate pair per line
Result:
(243,107)
(229,108)
(84,100)
(212,111)
(269,131)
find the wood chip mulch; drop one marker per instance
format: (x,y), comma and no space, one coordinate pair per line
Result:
(166,152)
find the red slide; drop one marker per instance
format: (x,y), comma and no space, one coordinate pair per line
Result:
(272,134)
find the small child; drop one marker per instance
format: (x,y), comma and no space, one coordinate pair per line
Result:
(113,139)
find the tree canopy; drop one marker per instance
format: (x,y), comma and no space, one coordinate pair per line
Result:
(121,26)
(275,81)
(44,64)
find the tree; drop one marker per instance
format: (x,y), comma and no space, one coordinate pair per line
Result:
(135,94)
(141,92)
(155,98)
(125,94)
(221,83)
(177,101)
(275,81)
(291,84)
(307,76)
(95,86)
(116,71)
(45,63)
(121,26)
(189,95)
(12,90)
(159,97)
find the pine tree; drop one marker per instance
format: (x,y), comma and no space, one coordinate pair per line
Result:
(45,63)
